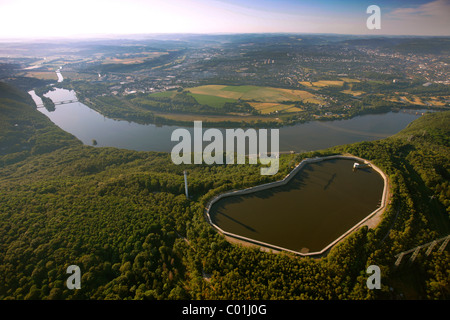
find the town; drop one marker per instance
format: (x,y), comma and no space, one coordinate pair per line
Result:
(338,76)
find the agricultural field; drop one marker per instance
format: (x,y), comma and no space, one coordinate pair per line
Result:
(133,58)
(43,75)
(409,99)
(353,93)
(213,101)
(439,101)
(323,83)
(406,99)
(348,89)
(269,107)
(316,85)
(412,100)
(264,99)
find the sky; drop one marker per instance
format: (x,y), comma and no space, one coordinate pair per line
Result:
(84,18)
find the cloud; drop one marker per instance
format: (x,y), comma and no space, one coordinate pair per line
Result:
(435,8)
(430,18)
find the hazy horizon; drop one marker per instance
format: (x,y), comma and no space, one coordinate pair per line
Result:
(166,36)
(26,19)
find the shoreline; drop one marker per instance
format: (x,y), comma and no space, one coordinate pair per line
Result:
(371,220)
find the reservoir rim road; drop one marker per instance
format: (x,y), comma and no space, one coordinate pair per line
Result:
(371,220)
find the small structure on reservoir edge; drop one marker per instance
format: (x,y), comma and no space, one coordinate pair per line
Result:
(185,184)
(357,165)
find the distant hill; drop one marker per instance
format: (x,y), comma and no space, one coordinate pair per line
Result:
(420,45)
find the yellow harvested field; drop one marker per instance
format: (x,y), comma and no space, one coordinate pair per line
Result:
(306,83)
(293,109)
(269,107)
(123,61)
(257,94)
(353,93)
(263,105)
(297,94)
(326,83)
(133,60)
(434,101)
(322,83)
(413,100)
(264,94)
(44,75)
(350,80)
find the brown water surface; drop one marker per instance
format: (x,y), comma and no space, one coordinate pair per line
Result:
(318,205)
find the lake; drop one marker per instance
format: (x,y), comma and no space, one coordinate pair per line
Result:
(295,216)
(87,124)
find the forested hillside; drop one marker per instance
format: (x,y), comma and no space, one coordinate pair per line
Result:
(23,130)
(123,218)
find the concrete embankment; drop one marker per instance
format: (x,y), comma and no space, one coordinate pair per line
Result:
(375,214)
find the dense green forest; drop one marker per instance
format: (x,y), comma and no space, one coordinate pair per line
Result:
(122,217)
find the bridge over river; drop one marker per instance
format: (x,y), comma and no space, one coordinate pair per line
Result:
(57,103)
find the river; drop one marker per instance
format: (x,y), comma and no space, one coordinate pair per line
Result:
(87,125)
(291,217)
(59,75)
